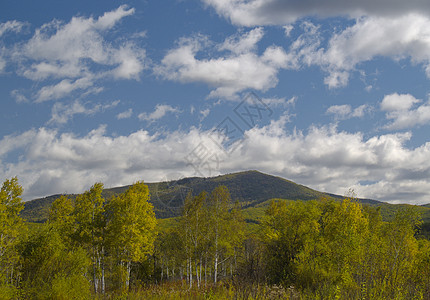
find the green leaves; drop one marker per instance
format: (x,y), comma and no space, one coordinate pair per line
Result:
(131,223)
(340,249)
(11,227)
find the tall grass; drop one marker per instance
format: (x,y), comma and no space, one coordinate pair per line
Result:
(177,290)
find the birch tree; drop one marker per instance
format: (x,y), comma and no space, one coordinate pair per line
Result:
(11,226)
(91,229)
(194,226)
(225,229)
(131,227)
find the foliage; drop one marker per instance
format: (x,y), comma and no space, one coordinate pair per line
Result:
(130,227)
(110,245)
(331,249)
(11,229)
(52,269)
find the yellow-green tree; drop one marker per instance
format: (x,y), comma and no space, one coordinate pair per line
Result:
(52,268)
(131,227)
(62,218)
(225,229)
(194,229)
(11,227)
(89,215)
(289,229)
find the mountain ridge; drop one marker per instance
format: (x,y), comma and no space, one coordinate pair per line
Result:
(247,187)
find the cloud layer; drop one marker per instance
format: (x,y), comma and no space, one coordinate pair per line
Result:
(281,12)
(323,157)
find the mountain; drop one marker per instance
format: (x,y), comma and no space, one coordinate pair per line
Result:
(250,188)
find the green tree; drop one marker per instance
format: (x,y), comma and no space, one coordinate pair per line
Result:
(194,228)
(289,228)
(169,252)
(61,216)
(11,227)
(51,268)
(131,227)
(89,215)
(225,227)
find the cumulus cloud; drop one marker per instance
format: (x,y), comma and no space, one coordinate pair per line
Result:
(281,12)
(160,111)
(396,102)
(125,114)
(62,113)
(405,37)
(243,43)
(403,112)
(345,111)
(63,88)
(239,69)
(76,55)
(322,157)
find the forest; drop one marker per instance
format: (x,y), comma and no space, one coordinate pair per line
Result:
(115,248)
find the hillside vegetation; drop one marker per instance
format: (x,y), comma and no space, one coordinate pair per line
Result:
(252,189)
(109,244)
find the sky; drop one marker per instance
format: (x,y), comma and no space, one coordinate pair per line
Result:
(330,94)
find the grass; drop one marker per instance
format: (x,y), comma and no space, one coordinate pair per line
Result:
(178,290)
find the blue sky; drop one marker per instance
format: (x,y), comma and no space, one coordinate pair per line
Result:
(333,95)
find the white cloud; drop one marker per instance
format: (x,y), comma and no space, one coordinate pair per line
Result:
(204,113)
(281,101)
(405,37)
(11,26)
(125,115)
(401,112)
(130,62)
(243,43)
(396,102)
(62,113)
(360,111)
(340,111)
(288,29)
(323,158)
(345,111)
(281,12)
(160,111)
(229,73)
(2,64)
(19,97)
(63,88)
(77,55)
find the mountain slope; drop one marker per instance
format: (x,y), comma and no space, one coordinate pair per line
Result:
(249,188)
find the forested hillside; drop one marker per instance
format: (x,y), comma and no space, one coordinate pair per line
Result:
(109,244)
(250,188)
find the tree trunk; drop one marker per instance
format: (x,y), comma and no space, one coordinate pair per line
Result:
(95,273)
(206,274)
(197,274)
(201,266)
(103,270)
(190,272)
(127,279)
(167,272)
(216,267)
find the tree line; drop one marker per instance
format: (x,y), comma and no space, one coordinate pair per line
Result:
(321,249)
